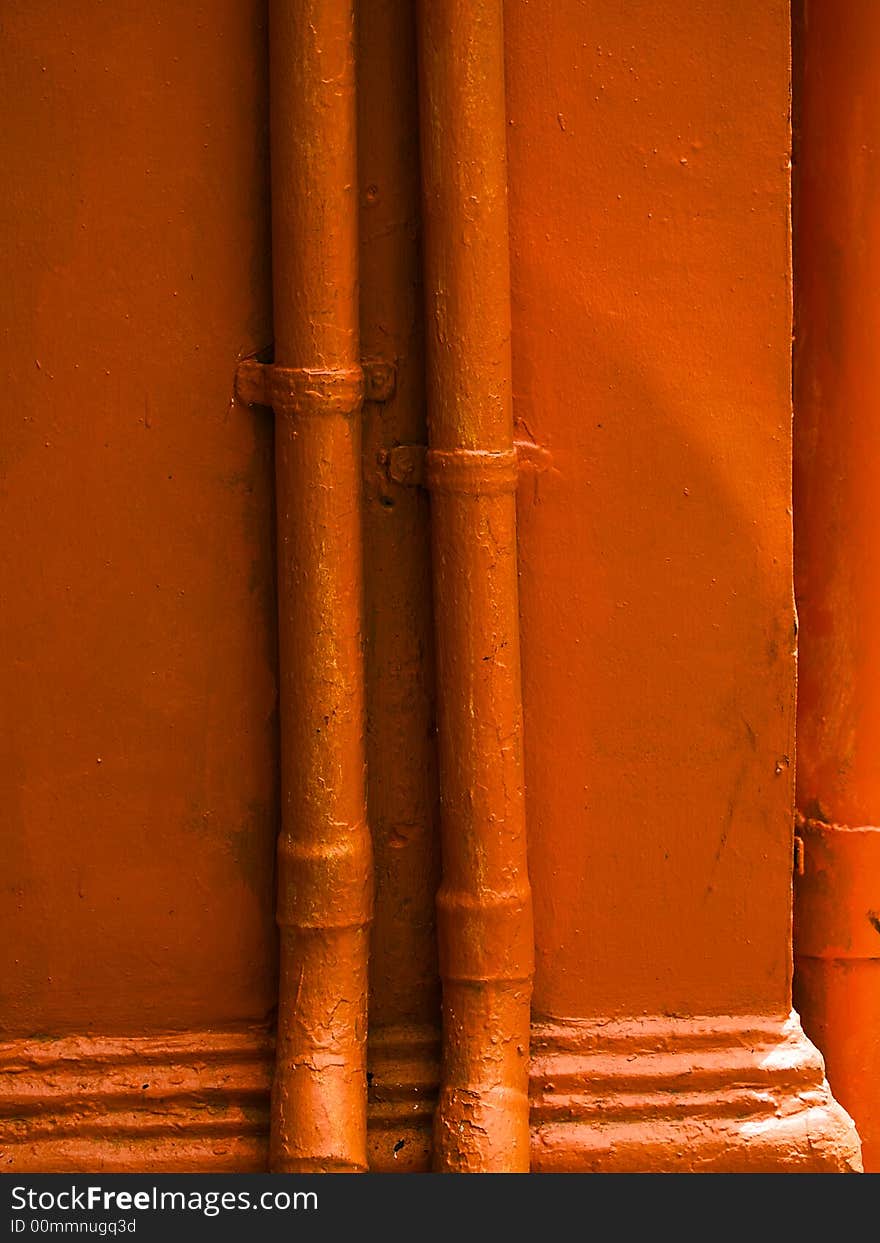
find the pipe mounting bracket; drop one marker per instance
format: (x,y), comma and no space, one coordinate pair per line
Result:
(462,470)
(305,390)
(475,472)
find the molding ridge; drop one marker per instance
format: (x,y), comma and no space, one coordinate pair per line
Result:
(655,1093)
(193,1101)
(664,1093)
(183,1102)
(403,1077)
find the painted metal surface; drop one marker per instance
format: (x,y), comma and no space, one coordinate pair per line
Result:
(325,866)
(484,910)
(837,568)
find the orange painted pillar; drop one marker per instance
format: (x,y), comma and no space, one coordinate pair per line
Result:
(837,546)
(651,293)
(325,878)
(484,903)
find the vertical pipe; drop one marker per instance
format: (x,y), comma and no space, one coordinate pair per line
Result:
(837,546)
(324,856)
(484,903)
(401,751)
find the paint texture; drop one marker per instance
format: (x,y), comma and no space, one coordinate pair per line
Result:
(139,745)
(325,866)
(529,408)
(649,219)
(837,570)
(649,171)
(484,904)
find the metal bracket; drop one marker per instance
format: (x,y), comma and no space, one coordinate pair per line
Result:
(291,390)
(406,465)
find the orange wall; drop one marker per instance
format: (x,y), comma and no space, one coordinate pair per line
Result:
(650,248)
(649,183)
(649,215)
(138,737)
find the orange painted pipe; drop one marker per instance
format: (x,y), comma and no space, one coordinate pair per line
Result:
(837,546)
(402,792)
(318,1120)
(484,903)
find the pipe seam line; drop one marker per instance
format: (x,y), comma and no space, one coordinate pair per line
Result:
(836,896)
(485,937)
(405,464)
(325,885)
(475,472)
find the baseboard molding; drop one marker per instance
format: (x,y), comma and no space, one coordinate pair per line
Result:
(190,1102)
(653,1094)
(404,1072)
(664,1094)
